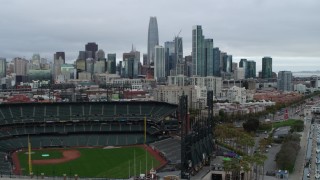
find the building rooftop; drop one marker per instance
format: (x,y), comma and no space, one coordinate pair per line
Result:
(281,131)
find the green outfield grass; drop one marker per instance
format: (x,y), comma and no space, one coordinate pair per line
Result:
(94,162)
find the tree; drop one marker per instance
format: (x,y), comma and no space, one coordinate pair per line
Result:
(227,167)
(248,164)
(259,159)
(286,157)
(251,125)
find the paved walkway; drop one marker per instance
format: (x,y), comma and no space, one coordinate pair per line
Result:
(300,161)
(313,156)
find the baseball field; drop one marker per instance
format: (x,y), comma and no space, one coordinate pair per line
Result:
(110,162)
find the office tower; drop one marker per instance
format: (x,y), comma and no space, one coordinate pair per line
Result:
(178,49)
(244,64)
(197,51)
(170,61)
(234,66)
(189,65)
(44,64)
(181,68)
(82,55)
(251,69)
(111,64)
(216,62)
(100,55)
(153,38)
(89,54)
(3,67)
(58,60)
(159,63)
(208,57)
(60,55)
(20,66)
(238,73)
(131,61)
(222,54)
(285,81)
(145,59)
(120,69)
(91,49)
(43,61)
(90,65)
(81,66)
(266,67)
(99,67)
(227,63)
(129,68)
(68,72)
(36,60)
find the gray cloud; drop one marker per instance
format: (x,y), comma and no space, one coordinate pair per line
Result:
(287,29)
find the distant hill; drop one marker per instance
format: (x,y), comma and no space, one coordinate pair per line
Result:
(318,71)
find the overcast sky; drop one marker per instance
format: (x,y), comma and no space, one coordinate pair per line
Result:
(287,30)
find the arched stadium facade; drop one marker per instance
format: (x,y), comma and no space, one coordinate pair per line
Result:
(95,124)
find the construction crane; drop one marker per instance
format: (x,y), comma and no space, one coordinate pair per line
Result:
(179,33)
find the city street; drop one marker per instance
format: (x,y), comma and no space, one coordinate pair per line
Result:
(270,163)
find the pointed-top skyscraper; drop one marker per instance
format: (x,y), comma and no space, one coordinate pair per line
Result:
(153,39)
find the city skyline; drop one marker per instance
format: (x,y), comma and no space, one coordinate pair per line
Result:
(239,33)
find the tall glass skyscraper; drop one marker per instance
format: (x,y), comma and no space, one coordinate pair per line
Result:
(112,63)
(244,64)
(91,49)
(153,38)
(227,63)
(251,69)
(3,67)
(285,81)
(159,63)
(178,49)
(59,55)
(131,63)
(170,58)
(216,62)
(198,51)
(208,57)
(266,67)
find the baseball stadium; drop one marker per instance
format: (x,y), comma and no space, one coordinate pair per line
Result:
(115,140)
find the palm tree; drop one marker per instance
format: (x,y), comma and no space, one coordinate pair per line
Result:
(247,166)
(227,167)
(259,160)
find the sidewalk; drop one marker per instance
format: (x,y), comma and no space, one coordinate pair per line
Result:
(300,160)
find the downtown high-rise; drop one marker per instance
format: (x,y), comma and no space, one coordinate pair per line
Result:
(131,62)
(208,57)
(216,62)
(198,51)
(170,58)
(159,63)
(153,39)
(112,63)
(284,81)
(91,49)
(3,67)
(249,68)
(266,67)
